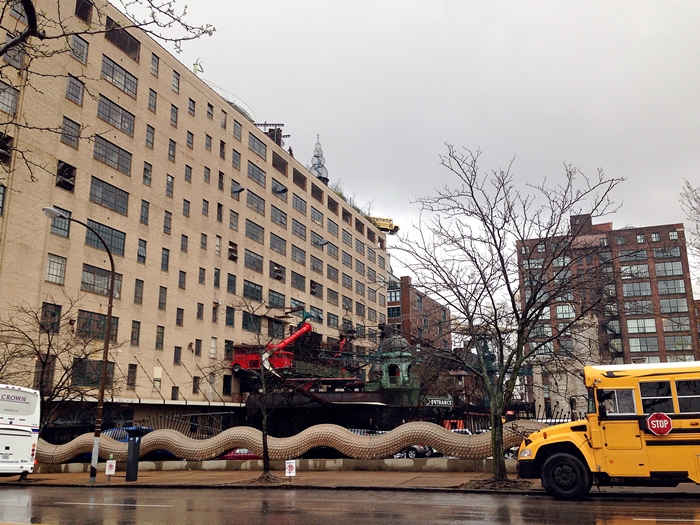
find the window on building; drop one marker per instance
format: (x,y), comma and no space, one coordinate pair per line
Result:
(298,281)
(59,225)
(673,305)
(162,297)
(299,204)
(279,163)
(298,229)
(231,283)
(74,91)
(255,203)
(276,299)
(83,10)
(176,82)
(256,174)
(278,272)
(644,344)
(111,197)
(667,269)
(138,291)
(257,146)
(278,216)
(278,244)
(203,241)
(332,297)
(122,39)
(114,238)
(254,231)
(167,222)
(78,50)
(332,320)
(92,325)
(299,179)
(117,75)
(96,280)
(112,155)
(172,150)
(251,322)
(210,111)
(676,286)
(253,261)
(165,260)
(55,269)
(252,291)
(641,326)
(316,193)
(70,133)
(332,273)
(298,255)
(237,130)
(230,312)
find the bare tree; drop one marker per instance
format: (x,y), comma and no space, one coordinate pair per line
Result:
(261,367)
(472,248)
(690,201)
(38,32)
(51,349)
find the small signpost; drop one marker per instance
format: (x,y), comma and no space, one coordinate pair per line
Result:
(290,468)
(659,424)
(110,468)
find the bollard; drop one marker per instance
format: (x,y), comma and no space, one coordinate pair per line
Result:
(132,458)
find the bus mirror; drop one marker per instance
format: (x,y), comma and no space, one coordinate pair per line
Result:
(601,396)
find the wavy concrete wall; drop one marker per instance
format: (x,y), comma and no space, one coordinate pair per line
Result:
(352,445)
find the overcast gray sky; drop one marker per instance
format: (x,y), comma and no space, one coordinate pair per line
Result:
(597,84)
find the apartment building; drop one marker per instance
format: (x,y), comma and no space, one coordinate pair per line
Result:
(216,230)
(648,314)
(416,316)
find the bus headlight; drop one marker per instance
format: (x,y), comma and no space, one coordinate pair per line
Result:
(526,453)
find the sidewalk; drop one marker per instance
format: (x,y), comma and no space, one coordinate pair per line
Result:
(241,474)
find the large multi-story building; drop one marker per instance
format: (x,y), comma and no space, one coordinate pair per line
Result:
(416,316)
(216,230)
(647,313)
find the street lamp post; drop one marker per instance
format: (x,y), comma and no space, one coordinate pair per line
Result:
(53,213)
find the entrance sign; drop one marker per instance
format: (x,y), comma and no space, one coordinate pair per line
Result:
(659,424)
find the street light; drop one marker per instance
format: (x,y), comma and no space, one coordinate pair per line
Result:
(53,213)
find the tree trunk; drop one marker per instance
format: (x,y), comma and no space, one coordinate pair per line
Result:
(265,451)
(499,461)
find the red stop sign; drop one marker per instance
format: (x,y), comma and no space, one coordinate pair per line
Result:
(659,424)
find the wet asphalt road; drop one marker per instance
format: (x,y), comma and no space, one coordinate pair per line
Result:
(120,506)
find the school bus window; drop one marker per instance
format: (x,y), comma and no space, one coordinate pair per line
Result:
(591,401)
(618,401)
(656,396)
(688,395)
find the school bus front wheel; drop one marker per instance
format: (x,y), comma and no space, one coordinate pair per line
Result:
(566,477)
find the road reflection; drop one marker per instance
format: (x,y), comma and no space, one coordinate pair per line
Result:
(132,506)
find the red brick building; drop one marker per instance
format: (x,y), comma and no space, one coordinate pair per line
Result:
(420,319)
(649,313)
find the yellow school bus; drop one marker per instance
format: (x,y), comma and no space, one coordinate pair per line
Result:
(642,428)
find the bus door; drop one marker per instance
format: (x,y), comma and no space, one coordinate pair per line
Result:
(676,451)
(622,437)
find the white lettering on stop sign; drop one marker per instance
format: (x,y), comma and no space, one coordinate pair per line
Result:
(659,424)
